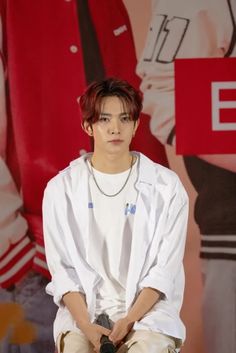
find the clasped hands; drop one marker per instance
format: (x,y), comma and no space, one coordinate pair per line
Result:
(94,332)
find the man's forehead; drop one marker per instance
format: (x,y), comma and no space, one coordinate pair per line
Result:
(113,105)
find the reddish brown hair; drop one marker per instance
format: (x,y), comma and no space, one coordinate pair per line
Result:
(91,100)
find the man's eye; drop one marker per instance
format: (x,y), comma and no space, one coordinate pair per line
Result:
(125,119)
(103,119)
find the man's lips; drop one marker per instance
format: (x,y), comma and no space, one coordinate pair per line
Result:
(115,141)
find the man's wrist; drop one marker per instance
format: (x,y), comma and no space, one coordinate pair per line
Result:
(130,319)
(83,324)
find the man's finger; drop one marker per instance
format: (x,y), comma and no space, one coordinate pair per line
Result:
(104,331)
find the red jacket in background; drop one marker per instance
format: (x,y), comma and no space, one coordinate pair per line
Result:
(46,77)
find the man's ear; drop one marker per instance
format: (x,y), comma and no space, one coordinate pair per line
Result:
(136,124)
(87,128)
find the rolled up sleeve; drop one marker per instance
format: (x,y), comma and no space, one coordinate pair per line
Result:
(168,263)
(64,277)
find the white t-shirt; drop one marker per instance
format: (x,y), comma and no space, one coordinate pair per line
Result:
(111,236)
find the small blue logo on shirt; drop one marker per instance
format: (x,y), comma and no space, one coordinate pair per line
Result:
(90,205)
(130,208)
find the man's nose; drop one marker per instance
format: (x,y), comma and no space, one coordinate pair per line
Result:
(115,127)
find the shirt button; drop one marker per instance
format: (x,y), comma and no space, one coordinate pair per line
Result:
(73,49)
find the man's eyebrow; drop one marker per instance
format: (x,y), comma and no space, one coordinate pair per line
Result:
(105,114)
(108,114)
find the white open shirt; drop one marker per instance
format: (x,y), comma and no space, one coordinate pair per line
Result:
(157,249)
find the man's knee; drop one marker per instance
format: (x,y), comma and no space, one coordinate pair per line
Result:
(73,342)
(149,342)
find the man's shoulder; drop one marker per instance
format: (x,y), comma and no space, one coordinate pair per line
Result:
(75,167)
(161,178)
(156,170)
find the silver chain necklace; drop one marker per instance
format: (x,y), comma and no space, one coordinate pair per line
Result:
(123,186)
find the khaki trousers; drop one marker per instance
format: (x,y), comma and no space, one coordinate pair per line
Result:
(136,342)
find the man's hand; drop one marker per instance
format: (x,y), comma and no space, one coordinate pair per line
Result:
(76,304)
(144,302)
(94,332)
(120,329)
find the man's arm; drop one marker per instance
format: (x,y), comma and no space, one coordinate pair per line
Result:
(158,283)
(146,299)
(76,304)
(65,286)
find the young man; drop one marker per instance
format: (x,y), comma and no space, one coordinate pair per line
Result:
(114,229)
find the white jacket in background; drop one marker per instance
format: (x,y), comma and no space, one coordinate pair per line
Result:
(180,29)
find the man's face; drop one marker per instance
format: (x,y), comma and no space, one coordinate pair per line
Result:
(114,129)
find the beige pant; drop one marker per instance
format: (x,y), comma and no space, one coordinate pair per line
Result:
(137,342)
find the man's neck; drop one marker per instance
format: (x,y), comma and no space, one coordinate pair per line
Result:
(112,164)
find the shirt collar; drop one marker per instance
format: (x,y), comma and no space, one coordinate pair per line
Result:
(146,167)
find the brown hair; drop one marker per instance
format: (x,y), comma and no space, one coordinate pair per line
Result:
(90,102)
